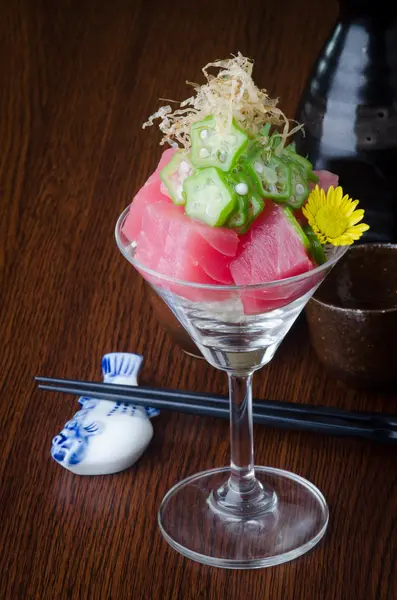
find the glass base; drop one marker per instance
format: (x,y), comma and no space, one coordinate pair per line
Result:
(195,524)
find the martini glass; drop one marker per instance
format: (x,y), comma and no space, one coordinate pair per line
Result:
(241,516)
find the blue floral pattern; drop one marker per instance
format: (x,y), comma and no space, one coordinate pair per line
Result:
(70,446)
(122,364)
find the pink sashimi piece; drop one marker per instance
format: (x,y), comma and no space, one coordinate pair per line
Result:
(165,226)
(264,300)
(270,251)
(176,236)
(158,220)
(179,244)
(145,253)
(213,263)
(150,193)
(164,160)
(223,240)
(164,190)
(325,180)
(184,269)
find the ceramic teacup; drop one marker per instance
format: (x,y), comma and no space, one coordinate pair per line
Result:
(352,317)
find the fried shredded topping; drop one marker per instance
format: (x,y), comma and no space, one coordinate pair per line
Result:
(229,94)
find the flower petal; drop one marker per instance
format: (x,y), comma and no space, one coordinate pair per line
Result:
(335,196)
(334,216)
(323,197)
(356,217)
(351,207)
(362,228)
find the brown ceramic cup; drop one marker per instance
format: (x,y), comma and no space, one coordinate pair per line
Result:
(352,317)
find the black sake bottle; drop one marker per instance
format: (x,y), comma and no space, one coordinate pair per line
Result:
(349,111)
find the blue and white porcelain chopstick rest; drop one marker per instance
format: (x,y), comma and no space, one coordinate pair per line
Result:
(106,436)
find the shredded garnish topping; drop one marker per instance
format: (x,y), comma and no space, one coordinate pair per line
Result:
(230,94)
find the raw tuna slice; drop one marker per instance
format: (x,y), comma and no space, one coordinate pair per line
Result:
(133,222)
(149,257)
(325,180)
(270,251)
(216,265)
(164,160)
(223,240)
(145,253)
(218,240)
(176,237)
(150,193)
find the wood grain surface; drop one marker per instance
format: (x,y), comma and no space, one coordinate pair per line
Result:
(77,79)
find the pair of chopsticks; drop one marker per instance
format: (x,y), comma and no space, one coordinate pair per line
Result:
(377,427)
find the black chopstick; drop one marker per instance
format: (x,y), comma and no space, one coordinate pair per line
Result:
(259,406)
(375,426)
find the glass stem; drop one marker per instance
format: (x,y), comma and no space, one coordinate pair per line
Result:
(242,478)
(242,495)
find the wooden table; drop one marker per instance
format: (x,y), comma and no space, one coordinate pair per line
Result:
(77,81)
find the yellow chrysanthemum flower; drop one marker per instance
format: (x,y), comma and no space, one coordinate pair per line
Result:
(333,216)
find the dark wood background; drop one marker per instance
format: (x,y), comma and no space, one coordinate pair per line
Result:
(77,79)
